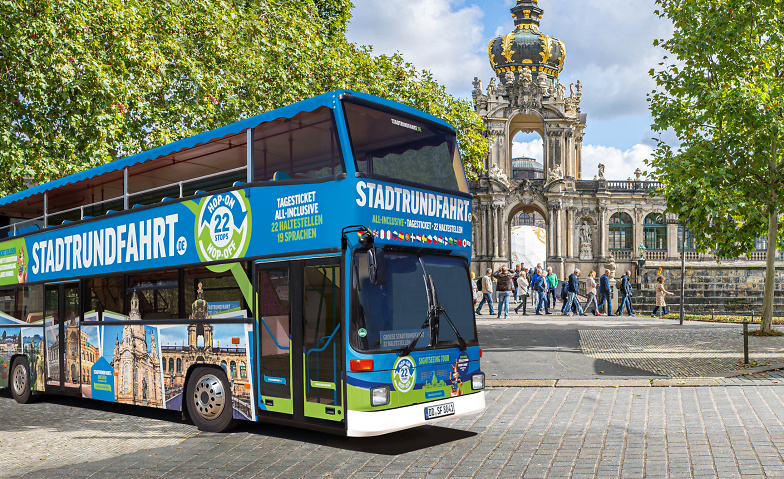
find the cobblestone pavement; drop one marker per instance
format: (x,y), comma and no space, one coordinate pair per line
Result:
(60,431)
(676,432)
(684,352)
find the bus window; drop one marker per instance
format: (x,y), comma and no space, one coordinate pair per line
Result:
(219,290)
(8,302)
(32,303)
(105,295)
(396,146)
(300,148)
(158,295)
(274,330)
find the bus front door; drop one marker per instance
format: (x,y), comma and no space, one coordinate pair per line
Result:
(63,338)
(300,341)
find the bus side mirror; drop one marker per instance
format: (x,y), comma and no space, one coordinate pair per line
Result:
(377,267)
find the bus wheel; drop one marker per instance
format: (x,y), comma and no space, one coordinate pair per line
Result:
(209,400)
(20,381)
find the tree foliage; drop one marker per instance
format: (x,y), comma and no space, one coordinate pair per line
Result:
(723,96)
(84,82)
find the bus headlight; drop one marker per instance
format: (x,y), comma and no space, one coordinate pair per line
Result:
(478,381)
(379,396)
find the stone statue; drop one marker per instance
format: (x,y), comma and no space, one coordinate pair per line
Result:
(477,87)
(525,77)
(560,90)
(611,267)
(601,171)
(541,78)
(491,87)
(571,90)
(509,78)
(554,174)
(586,247)
(579,88)
(637,174)
(496,173)
(642,250)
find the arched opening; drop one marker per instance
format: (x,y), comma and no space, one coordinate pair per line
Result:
(654,232)
(621,234)
(528,236)
(527,150)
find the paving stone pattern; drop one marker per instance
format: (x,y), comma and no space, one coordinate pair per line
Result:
(681,352)
(532,432)
(64,431)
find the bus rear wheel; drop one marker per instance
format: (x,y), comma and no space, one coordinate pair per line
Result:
(20,381)
(208,398)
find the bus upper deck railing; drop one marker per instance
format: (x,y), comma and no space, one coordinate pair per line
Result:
(122,203)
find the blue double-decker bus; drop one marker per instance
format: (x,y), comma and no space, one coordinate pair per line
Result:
(306,266)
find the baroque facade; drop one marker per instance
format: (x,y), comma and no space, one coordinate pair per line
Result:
(138,372)
(591,223)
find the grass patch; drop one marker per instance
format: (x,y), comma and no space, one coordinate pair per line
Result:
(772,332)
(722,318)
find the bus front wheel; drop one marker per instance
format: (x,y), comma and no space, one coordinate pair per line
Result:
(20,381)
(208,398)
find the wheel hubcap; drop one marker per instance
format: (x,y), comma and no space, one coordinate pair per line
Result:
(20,380)
(209,397)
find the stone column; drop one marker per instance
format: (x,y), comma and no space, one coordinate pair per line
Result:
(602,232)
(494,238)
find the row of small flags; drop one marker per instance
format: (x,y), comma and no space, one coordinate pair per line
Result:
(418,238)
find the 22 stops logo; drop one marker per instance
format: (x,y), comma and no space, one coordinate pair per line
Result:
(223,226)
(404,374)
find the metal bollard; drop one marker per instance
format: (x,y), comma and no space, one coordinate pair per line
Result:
(745,340)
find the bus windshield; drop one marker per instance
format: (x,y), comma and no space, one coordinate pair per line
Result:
(404,148)
(388,317)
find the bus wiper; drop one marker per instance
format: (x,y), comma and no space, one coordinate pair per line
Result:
(439,310)
(407,350)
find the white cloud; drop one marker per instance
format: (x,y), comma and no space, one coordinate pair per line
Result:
(529,149)
(619,165)
(436,35)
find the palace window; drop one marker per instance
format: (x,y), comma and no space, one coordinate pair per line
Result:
(621,231)
(171,365)
(689,239)
(233,369)
(179,365)
(761,243)
(654,232)
(243,370)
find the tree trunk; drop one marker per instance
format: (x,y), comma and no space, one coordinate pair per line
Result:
(770,268)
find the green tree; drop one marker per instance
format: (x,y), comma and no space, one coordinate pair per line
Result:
(722,94)
(84,82)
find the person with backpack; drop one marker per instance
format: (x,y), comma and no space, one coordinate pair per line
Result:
(552,284)
(604,292)
(534,281)
(541,290)
(625,291)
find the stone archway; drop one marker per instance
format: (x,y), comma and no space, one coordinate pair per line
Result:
(527,240)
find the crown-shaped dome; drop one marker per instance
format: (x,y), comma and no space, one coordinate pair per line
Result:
(527,47)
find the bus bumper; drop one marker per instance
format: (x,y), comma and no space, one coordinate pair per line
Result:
(375,423)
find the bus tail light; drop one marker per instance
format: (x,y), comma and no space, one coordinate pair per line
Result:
(379,396)
(480,352)
(359,365)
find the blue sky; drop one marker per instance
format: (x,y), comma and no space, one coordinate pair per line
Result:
(608,48)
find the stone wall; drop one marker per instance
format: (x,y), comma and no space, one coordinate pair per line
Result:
(722,288)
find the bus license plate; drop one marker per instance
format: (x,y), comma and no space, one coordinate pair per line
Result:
(447,409)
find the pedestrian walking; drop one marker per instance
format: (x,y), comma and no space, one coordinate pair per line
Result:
(590,291)
(505,287)
(604,292)
(474,290)
(517,272)
(535,281)
(541,291)
(487,292)
(625,293)
(571,295)
(523,291)
(552,283)
(660,295)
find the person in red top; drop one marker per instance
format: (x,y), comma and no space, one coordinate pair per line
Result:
(505,286)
